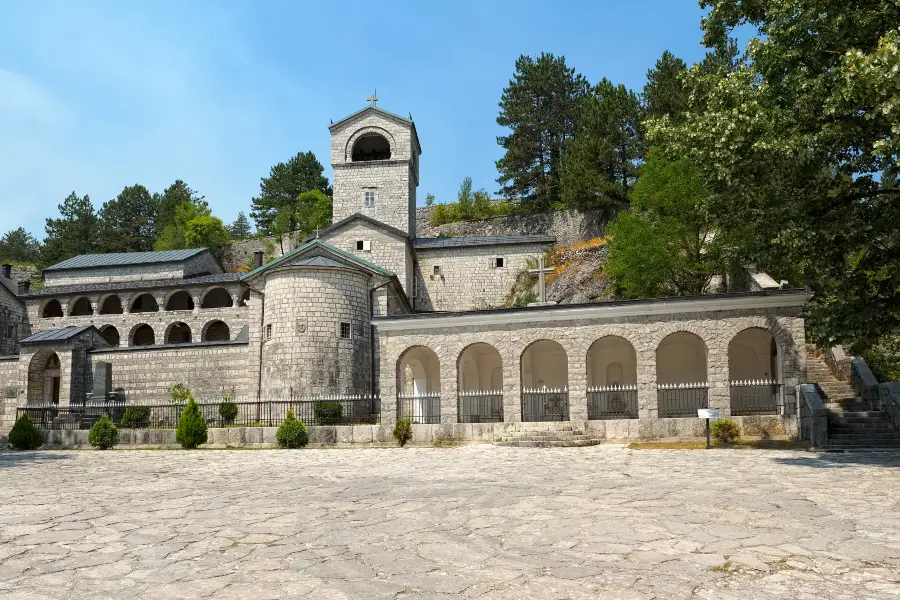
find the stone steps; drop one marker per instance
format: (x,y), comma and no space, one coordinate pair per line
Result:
(548,443)
(543,435)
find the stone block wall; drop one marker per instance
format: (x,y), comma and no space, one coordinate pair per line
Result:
(644,333)
(9,391)
(387,249)
(209,370)
(468,279)
(13,325)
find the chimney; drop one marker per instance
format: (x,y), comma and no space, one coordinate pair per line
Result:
(24,286)
(257,259)
(6,271)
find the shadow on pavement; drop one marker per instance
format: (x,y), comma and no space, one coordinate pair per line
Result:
(843,459)
(19,458)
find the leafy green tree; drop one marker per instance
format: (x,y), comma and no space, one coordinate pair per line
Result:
(313,212)
(206,231)
(282,188)
(128,222)
(172,198)
(790,145)
(540,106)
(665,245)
(665,93)
(429,199)
(174,235)
(17,245)
(75,232)
(240,229)
(601,160)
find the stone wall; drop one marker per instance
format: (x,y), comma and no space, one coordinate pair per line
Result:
(238,256)
(13,325)
(468,278)
(644,333)
(567,226)
(210,370)
(386,249)
(9,391)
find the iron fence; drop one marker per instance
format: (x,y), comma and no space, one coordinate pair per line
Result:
(612,402)
(326,410)
(480,406)
(545,404)
(420,408)
(756,397)
(681,399)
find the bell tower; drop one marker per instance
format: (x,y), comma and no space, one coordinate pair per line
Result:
(375,155)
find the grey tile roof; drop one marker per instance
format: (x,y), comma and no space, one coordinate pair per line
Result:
(118,259)
(319,245)
(358,216)
(61,290)
(494,240)
(56,335)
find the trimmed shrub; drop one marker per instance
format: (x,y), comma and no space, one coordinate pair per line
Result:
(725,431)
(292,432)
(328,412)
(191,426)
(136,417)
(24,435)
(228,410)
(104,434)
(403,431)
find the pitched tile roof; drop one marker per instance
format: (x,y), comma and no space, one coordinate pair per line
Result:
(58,290)
(299,251)
(118,259)
(63,334)
(361,217)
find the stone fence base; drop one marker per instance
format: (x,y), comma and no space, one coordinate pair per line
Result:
(624,430)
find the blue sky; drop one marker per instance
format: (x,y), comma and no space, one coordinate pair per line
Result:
(95,96)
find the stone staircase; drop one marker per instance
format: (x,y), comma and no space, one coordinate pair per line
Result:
(547,435)
(851,423)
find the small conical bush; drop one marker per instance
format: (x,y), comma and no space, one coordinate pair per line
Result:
(292,432)
(24,435)
(191,426)
(104,434)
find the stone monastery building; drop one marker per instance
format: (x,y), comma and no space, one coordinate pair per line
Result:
(366,307)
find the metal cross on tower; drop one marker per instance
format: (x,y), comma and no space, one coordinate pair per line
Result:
(373,99)
(541,271)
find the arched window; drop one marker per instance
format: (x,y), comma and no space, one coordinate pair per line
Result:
(419,385)
(754,371)
(52,310)
(178,333)
(545,379)
(144,303)
(371,146)
(245,298)
(480,377)
(44,380)
(81,308)
(180,300)
(111,305)
(143,336)
(111,335)
(217,298)
(217,331)
(681,360)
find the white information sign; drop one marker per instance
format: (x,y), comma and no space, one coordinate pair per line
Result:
(708,413)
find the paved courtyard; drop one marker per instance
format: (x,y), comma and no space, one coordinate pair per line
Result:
(470,522)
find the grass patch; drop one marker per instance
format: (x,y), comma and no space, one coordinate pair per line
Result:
(725,567)
(740,444)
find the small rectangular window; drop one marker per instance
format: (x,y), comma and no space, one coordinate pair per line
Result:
(369,198)
(367,246)
(268,332)
(345,330)
(437,269)
(359,245)
(498,263)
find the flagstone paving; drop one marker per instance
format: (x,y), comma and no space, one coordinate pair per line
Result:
(470,522)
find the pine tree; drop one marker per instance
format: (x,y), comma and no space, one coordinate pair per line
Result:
(283,186)
(665,92)
(174,196)
(540,105)
(240,229)
(128,222)
(17,245)
(76,232)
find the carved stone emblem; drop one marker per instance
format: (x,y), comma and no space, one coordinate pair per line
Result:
(301,325)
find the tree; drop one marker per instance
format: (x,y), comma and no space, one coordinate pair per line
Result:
(192,428)
(75,232)
(540,105)
(429,199)
(240,229)
(174,196)
(665,246)
(283,186)
(313,212)
(665,93)
(128,222)
(206,231)
(173,235)
(790,144)
(601,160)
(17,245)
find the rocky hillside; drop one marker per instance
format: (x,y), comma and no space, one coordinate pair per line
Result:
(579,276)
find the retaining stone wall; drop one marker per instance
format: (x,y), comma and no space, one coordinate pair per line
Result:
(9,391)
(13,326)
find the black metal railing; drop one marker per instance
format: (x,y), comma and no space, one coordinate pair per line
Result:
(681,399)
(612,402)
(756,397)
(328,410)
(545,404)
(420,408)
(480,406)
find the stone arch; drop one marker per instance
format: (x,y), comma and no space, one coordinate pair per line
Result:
(51,309)
(80,307)
(244,298)
(476,366)
(111,335)
(110,304)
(44,378)
(215,331)
(144,303)
(418,371)
(754,353)
(216,297)
(682,357)
(370,132)
(611,360)
(178,333)
(544,364)
(179,300)
(142,335)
